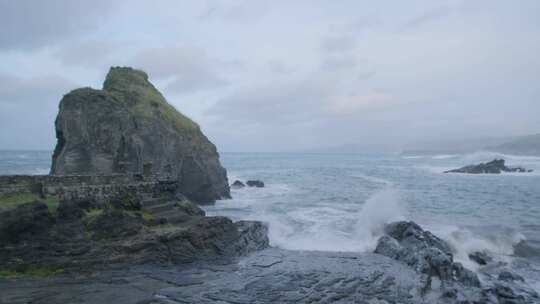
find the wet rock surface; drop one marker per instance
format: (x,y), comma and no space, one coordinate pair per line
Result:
(237,184)
(444,279)
(214,260)
(268,276)
(255,183)
(495,166)
(88,236)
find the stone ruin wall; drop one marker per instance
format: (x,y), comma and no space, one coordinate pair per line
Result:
(97,187)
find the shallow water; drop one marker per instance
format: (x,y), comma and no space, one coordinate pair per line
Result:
(340,202)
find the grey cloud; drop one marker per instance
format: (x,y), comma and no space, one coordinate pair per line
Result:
(428,16)
(288,102)
(27,110)
(29,24)
(91,54)
(191,69)
(14,90)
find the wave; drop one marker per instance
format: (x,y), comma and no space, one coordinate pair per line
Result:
(444,156)
(373,179)
(499,245)
(332,229)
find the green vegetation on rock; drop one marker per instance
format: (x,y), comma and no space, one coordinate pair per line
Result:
(13,200)
(40,272)
(125,83)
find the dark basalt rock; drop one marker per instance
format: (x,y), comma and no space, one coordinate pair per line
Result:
(432,257)
(510,277)
(426,253)
(128,127)
(90,236)
(237,184)
(24,222)
(495,166)
(255,183)
(481,258)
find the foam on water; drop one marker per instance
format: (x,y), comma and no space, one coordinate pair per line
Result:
(499,245)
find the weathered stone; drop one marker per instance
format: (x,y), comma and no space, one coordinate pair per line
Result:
(426,253)
(255,183)
(495,166)
(237,184)
(128,127)
(480,257)
(510,277)
(24,222)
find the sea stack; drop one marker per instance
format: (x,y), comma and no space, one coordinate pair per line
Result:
(128,127)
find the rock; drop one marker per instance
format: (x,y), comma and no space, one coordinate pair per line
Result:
(464,275)
(510,277)
(255,183)
(237,184)
(407,242)
(480,257)
(24,222)
(253,236)
(495,166)
(112,223)
(90,236)
(128,127)
(189,208)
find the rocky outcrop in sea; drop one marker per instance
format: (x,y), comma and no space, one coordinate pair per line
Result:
(495,166)
(128,127)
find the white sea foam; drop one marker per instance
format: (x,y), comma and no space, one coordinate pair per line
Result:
(373,179)
(379,209)
(332,229)
(464,242)
(445,156)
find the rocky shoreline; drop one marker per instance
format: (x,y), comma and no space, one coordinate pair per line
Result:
(117,221)
(213,260)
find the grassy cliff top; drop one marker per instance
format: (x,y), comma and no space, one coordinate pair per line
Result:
(131,88)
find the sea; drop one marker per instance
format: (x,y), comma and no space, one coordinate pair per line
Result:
(341,202)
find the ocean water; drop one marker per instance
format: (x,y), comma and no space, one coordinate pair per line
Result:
(340,202)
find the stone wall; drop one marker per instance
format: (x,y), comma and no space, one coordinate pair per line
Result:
(97,187)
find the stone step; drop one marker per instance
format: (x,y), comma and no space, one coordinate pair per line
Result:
(153,202)
(159,208)
(178,218)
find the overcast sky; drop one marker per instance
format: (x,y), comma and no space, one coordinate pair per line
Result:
(283,75)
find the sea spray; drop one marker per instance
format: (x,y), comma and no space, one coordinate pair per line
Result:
(331,229)
(379,210)
(499,245)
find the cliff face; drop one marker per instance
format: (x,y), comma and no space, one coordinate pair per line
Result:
(128,126)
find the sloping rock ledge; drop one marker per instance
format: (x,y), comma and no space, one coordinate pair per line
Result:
(203,260)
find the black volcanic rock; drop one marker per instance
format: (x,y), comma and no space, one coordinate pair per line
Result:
(237,184)
(87,237)
(480,257)
(128,127)
(495,166)
(424,252)
(255,183)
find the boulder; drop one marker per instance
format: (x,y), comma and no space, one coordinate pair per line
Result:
(480,257)
(424,252)
(25,222)
(495,166)
(237,184)
(510,277)
(255,183)
(128,127)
